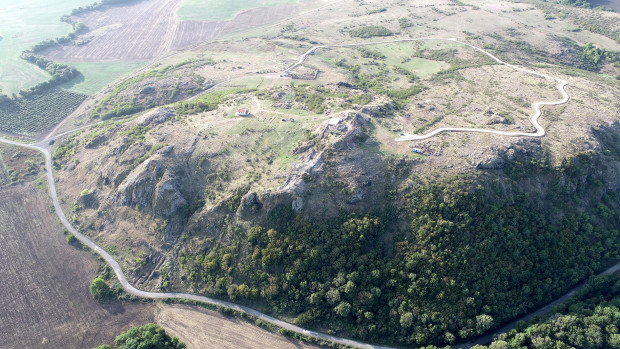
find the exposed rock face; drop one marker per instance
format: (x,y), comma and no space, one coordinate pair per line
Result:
(89,200)
(155,185)
(96,142)
(168,198)
(380,108)
(156,117)
(250,205)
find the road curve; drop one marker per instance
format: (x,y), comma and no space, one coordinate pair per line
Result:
(43,146)
(540,131)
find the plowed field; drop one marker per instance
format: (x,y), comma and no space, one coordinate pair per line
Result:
(192,32)
(45,302)
(202,329)
(257,17)
(141,31)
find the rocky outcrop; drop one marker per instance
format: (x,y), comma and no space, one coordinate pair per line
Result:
(250,205)
(380,108)
(155,185)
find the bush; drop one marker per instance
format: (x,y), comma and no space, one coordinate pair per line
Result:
(149,336)
(370,31)
(71,239)
(99,289)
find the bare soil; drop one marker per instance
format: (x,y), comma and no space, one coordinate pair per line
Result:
(189,33)
(45,300)
(201,328)
(257,17)
(140,31)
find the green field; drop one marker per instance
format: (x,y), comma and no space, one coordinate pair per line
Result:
(95,76)
(395,54)
(215,10)
(24,24)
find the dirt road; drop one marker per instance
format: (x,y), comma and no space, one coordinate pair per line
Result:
(43,146)
(540,131)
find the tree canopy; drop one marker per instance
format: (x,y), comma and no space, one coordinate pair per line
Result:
(149,336)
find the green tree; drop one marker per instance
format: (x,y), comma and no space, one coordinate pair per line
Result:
(343,309)
(149,336)
(99,289)
(406,320)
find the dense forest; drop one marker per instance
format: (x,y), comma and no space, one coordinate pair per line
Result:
(471,259)
(588,320)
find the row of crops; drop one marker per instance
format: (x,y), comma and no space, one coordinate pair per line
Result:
(36,113)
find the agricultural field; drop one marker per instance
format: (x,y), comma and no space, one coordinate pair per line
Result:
(19,165)
(202,328)
(96,75)
(45,299)
(214,10)
(37,113)
(24,25)
(189,33)
(120,34)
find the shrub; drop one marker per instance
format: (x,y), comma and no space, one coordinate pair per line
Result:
(370,31)
(99,289)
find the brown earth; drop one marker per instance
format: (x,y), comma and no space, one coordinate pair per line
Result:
(45,299)
(202,328)
(19,164)
(189,33)
(257,17)
(120,33)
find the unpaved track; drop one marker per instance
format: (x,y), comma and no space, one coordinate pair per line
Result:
(540,131)
(43,146)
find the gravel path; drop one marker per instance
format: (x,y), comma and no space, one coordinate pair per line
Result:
(540,131)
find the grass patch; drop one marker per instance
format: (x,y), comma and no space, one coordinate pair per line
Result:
(213,10)
(95,75)
(207,102)
(370,32)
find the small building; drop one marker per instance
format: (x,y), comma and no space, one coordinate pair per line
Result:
(334,121)
(243,112)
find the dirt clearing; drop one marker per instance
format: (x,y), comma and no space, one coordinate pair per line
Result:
(201,328)
(45,299)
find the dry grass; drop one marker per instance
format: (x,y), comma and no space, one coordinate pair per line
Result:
(203,329)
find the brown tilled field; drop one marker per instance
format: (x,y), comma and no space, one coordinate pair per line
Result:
(45,300)
(141,31)
(202,328)
(253,18)
(189,33)
(147,29)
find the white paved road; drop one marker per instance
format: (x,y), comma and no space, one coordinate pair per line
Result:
(43,146)
(540,131)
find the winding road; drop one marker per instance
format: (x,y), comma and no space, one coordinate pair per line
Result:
(540,131)
(44,147)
